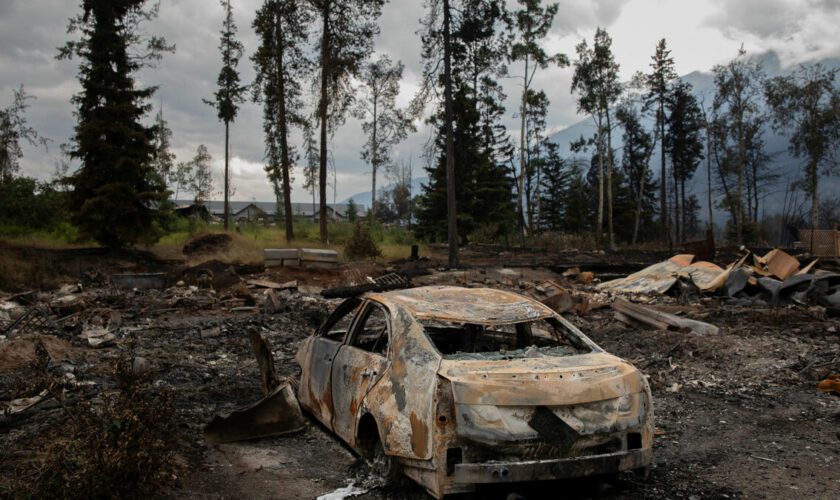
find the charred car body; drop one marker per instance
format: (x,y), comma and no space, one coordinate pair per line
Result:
(458,387)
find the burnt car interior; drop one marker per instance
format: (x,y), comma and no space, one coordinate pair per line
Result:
(371,332)
(544,337)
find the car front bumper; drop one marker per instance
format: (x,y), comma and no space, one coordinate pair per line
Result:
(537,470)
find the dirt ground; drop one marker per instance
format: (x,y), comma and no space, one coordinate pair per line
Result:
(736,414)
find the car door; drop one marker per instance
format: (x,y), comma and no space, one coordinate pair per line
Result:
(315,390)
(359,364)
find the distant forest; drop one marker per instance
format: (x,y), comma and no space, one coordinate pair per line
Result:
(624,182)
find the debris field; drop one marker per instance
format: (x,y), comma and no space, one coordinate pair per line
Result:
(742,357)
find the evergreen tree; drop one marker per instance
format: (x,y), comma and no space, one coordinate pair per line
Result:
(310,169)
(164,159)
(385,124)
(116,191)
(230,93)
(352,211)
(478,138)
(684,144)
(555,183)
(346,40)
(658,83)
(437,71)
(485,187)
(13,129)
(637,150)
(579,204)
(806,104)
(281,64)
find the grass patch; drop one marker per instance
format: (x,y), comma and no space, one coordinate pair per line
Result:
(250,240)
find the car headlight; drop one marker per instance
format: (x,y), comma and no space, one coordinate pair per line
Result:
(625,403)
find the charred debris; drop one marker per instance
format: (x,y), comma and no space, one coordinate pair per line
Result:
(223,338)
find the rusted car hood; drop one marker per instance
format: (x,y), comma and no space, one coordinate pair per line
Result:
(546,381)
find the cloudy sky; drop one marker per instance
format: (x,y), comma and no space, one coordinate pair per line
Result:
(701,33)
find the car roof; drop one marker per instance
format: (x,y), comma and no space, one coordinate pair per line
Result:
(480,306)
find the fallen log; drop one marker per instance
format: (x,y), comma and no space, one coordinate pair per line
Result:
(635,314)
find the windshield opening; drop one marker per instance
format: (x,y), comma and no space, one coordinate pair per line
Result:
(529,339)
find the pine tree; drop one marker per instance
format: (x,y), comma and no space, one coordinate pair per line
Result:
(437,56)
(684,144)
(346,40)
(658,83)
(485,189)
(281,65)
(555,184)
(230,93)
(637,150)
(116,191)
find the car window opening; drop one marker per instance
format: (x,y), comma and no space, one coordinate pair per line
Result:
(530,339)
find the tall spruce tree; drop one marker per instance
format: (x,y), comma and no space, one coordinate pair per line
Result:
(384,123)
(637,150)
(658,82)
(116,191)
(437,56)
(532,23)
(477,54)
(806,105)
(231,92)
(346,40)
(684,144)
(555,182)
(281,65)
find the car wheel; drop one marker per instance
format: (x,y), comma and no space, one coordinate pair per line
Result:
(384,465)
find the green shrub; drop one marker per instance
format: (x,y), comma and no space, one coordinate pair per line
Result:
(361,244)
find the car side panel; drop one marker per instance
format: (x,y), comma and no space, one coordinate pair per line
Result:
(354,372)
(316,389)
(403,402)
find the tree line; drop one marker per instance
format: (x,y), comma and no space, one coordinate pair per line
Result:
(482,183)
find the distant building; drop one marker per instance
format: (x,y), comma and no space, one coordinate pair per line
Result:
(266,211)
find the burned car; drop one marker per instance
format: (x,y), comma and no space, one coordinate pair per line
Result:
(456,387)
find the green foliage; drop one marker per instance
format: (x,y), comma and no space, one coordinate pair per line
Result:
(230,93)
(385,125)
(484,193)
(352,212)
(116,191)
(806,105)
(29,204)
(14,129)
(361,245)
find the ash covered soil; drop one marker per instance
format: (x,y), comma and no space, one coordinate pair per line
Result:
(737,414)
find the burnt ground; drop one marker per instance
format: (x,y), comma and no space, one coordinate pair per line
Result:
(737,414)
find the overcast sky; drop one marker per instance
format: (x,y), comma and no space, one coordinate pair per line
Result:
(701,33)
